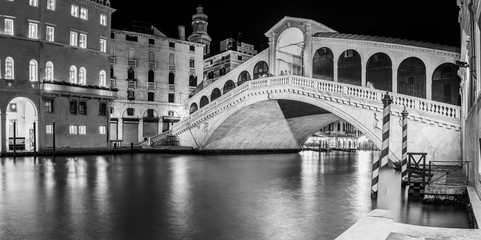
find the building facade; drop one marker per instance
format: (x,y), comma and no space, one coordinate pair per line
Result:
(154,75)
(53,74)
(238,46)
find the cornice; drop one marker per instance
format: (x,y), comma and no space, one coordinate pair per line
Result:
(149,36)
(97,5)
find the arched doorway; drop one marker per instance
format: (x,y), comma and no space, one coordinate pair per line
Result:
(379,72)
(244,76)
(229,85)
(261,69)
(349,67)
(204,101)
(193,108)
(21,115)
(216,93)
(445,86)
(289,54)
(411,77)
(323,64)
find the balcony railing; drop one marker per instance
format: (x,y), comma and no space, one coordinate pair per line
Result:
(152,65)
(113,60)
(132,63)
(131,84)
(151,86)
(94,91)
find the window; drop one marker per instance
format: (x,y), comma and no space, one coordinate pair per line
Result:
(150,113)
(49,105)
(73,107)
(84,13)
(130,112)
(150,96)
(74,11)
(192,48)
(9,68)
(82,76)
(130,94)
(49,71)
(150,76)
(50,34)
(171,78)
(33,3)
(152,41)
(192,81)
(82,130)
(102,130)
(32,30)
(73,39)
(130,73)
(73,75)
(192,63)
(82,108)
(131,38)
(171,59)
(102,109)
(171,97)
(51,5)
(8,27)
(33,73)
(49,129)
(102,79)
(73,130)
(172,44)
(83,40)
(151,56)
(103,20)
(239,58)
(103,45)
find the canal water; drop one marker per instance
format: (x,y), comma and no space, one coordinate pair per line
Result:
(147,196)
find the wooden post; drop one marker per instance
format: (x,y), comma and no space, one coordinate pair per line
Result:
(53,138)
(34,139)
(14,139)
(404,144)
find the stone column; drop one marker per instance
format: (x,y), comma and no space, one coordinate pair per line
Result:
(363,72)
(307,64)
(141,130)
(3,122)
(335,68)
(272,54)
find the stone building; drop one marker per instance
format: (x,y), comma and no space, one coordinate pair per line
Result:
(238,46)
(53,72)
(154,75)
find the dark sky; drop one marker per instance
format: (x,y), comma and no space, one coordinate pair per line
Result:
(433,21)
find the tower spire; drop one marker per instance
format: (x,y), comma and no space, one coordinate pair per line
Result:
(199,30)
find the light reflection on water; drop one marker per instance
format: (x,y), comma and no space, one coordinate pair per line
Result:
(277,196)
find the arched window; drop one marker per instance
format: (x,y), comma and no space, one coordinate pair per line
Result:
(82,76)
(204,101)
(323,64)
(112,75)
(411,78)
(349,67)
(73,75)
(222,71)
(193,108)
(244,76)
(379,72)
(102,79)
(49,71)
(215,94)
(151,75)
(192,81)
(171,59)
(445,86)
(171,78)
(229,85)
(131,74)
(33,71)
(9,68)
(151,56)
(260,69)
(192,63)
(211,75)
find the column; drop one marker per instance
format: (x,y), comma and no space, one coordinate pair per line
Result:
(3,122)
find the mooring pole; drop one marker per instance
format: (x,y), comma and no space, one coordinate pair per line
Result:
(34,139)
(14,139)
(53,138)
(384,158)
(404,145)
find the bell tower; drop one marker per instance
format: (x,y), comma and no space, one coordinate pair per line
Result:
(199,30)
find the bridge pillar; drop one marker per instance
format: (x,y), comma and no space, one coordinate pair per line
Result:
(394,76)
(363,73)
(335,70)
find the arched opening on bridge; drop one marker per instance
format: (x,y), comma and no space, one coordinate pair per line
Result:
(261,69)
(229,85)
(21,114)
(445,86)
(323,64)
(289,52)
(215,94)
(349,67)
(204,101)
(411,77)
(193,108)
(379,72)
(244,76)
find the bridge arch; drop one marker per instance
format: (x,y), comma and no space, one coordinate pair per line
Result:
(228,86)
(244,76)
(260,69)
(323,64)
(411,77)
(204,101)
(445,84)
(193,108)
(379,72)
(289,54)
(216,93)
(349,67)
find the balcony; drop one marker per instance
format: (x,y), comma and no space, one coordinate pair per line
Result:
(113,60)
(171,67)
(132,63)
(66,88)
(171,88)
(152,65)
(131,84)
(151,86)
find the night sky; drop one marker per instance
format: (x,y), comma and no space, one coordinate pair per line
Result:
(433,21)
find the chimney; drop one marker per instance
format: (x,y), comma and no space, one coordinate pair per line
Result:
(181,32)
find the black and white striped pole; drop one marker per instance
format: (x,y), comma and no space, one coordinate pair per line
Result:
(404,144)
(384,158)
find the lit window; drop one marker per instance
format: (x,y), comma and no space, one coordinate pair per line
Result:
(49,71)
(74,11)
(49,129)
(102,130)
(51,5)
(50,36)
(32,30)
(84,13)
(73,75)
(83,41)
(9,68)
(103,45)
(49,105)
(82,130)
(8,26)
(33,73)
(102,79)
(73,130)
(103,19)
(33,3)
(73,39)
(82,76)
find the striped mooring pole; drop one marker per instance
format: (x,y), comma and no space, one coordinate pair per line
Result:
(384,158)
(404,161)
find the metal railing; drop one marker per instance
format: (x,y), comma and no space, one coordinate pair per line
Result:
(456,170)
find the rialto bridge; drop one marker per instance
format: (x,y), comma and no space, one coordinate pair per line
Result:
(311,76)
